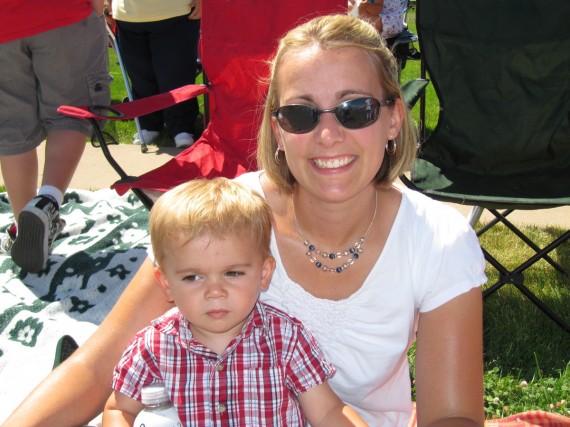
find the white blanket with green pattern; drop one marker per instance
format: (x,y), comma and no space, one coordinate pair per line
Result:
(100,249)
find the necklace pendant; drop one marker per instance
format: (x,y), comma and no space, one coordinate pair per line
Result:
(353,253)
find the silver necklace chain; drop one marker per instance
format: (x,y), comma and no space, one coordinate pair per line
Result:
(353,253)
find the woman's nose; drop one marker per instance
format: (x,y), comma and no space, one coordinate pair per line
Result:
(329,129)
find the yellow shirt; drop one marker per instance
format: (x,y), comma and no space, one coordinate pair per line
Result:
(149,10)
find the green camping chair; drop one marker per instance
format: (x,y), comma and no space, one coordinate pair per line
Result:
(501,71)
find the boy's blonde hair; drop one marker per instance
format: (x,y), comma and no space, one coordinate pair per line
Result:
(216,207)
(328,33)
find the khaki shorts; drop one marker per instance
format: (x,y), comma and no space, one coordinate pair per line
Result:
(64,66)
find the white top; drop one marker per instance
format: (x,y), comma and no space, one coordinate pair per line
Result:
(367,336)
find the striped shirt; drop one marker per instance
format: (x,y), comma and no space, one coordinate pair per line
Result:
(254,382)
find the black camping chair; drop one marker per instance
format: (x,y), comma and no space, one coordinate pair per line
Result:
(501,71)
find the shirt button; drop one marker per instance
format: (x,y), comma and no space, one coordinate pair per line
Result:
(220,367)
(221,407)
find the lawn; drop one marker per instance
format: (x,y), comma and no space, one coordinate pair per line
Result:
(527,357)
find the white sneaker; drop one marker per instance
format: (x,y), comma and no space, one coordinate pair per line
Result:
(184,140)
(147,135)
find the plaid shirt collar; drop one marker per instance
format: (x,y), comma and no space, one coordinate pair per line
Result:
(178,326)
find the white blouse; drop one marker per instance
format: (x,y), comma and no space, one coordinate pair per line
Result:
(431,256)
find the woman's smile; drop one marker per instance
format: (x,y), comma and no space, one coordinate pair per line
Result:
(335,163)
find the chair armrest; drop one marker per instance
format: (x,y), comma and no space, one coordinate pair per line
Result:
(137,108)
(413,90)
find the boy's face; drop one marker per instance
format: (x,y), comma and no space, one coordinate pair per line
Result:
(215,283)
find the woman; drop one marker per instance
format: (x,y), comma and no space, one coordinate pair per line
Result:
(334,137)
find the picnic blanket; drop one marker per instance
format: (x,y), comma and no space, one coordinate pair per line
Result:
(100,249)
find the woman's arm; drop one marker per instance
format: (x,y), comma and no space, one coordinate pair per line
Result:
(75,392)
(449,363)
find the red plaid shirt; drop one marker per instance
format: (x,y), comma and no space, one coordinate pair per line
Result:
(253,383)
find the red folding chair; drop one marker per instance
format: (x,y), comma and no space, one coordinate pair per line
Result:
(237,39)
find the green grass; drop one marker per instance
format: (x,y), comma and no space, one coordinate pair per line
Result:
(527,357)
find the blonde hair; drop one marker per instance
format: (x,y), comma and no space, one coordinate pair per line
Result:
(335,32)
(217,208)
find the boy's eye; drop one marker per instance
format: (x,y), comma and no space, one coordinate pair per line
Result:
(191,278)
(235,273)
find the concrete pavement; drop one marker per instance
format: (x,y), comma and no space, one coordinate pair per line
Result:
(94,171)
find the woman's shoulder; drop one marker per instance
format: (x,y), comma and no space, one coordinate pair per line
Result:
(427,210)
(258,181)
(251,180)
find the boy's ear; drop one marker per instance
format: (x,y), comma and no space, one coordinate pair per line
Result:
(163,283)
(267,272)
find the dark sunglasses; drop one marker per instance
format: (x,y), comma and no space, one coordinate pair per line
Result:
(352,114)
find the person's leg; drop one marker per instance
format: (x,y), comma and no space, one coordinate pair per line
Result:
(63,147)
(133,41)
(20,131)
(71,67)
(174,45)
(20,173)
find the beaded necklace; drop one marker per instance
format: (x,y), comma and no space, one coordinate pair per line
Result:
(353,253)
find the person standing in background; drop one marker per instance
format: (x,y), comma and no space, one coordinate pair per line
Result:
(159,47)
(52,52)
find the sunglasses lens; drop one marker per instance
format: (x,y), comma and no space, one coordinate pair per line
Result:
(353,114)
(297,118)
(358,113)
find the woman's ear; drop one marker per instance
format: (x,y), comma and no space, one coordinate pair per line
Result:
(396,119)
(163,283)
(277,132)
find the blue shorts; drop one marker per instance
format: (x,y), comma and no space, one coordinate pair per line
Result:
(65,66)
